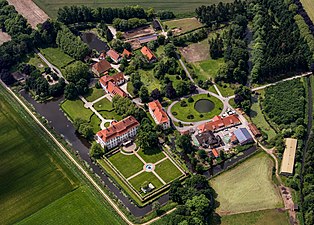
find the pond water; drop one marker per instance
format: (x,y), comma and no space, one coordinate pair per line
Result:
(204,106)
(94,42)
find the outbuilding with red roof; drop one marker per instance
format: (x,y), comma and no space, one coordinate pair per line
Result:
(148,54)
(159,115)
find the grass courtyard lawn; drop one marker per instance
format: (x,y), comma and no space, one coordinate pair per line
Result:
(94,94)
(167,171)
(247,187)
(126,164)
(207,69)
(75,109)
(95,122)
(309,8)
(51,6)
(184,25)
(160,51)
(272,216)
(139,180)
(103,104)
(183,112)
(37,62)
(57,57)
(67,210)
(148,79)
(111,115)
(35,174)
(258,118)
(154,155)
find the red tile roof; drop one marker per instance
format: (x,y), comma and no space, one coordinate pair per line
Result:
(126,53)
(118,129)
(254,129)
(148,53)
(115,90)
(217,122)
(215,153)
(160,114)
(113,54)
(102,66)
(114,79)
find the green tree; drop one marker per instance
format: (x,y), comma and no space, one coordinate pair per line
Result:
(144,94)
(96,151)
(86,130)
(199,206)
(146,137)
(76,71)
(70,92)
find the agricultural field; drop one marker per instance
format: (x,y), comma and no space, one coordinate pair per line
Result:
(36,180)
(57,57)
(272,216)
(181,26)
(309,8)
(258,118)
(247,187)
(178,6)
(131,167)
(183,112)
(196,52)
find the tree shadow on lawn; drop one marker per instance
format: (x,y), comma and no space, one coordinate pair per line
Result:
(152,151)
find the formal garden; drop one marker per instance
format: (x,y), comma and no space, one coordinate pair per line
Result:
(142,173)
(197,108)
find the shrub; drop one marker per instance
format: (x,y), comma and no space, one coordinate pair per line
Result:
(190,99)
(183,104)
(174,113)
(190,117)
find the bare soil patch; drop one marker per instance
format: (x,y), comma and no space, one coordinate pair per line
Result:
(196,52)
(4,37)
(30,11)
(138,32)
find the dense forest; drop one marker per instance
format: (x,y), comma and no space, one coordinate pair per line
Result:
(284,105)
(278,45)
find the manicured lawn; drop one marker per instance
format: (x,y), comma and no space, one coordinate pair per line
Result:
(51,6)
(68,210)
(75,109)
(207,69)
(226,89)
(167,171)
(247,187)
(57,57)
(273,217)
(126,164)
(35,175)
(183,112)
(103,104)
(148,79)
(183,25)
(139,180)
(37,62)
(95,122)
(153,156)
(94,94)
(111,115)
(259,120)
(309,8)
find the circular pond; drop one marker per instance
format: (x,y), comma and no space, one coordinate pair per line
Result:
(204,106)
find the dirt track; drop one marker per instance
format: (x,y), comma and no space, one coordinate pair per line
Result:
(30,11)
(4,37)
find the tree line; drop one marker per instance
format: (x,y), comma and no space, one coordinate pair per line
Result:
(123,25)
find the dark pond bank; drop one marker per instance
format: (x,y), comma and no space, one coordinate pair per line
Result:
(94,42)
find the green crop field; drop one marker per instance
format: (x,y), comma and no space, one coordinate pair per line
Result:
(167,171)
(272,216)
(57,57)
(182,112)
(35,175)
(126,164)
(178,6)
(247,187)
(309,7)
